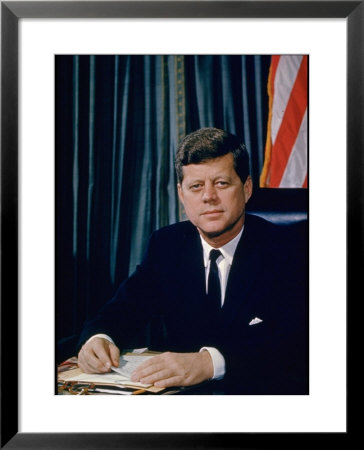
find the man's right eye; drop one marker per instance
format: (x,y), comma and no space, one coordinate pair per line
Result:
(195,187)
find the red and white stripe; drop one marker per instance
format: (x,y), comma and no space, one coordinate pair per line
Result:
(285,163)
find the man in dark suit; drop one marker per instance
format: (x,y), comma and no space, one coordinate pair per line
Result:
(239,317)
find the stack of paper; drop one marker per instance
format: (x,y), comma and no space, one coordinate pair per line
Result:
(118,376)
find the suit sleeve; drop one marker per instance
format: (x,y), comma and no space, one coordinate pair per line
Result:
(125,317)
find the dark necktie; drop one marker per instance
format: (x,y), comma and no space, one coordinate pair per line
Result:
(213,287)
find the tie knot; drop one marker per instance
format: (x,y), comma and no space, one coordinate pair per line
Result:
(214,254)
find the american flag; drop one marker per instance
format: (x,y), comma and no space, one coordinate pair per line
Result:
(285,161)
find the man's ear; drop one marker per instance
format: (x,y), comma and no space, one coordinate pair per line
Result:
(248,188)
(180,192)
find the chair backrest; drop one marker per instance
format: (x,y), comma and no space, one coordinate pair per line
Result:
(281,206)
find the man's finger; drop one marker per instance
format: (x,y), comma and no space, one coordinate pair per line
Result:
(169,382)
(85,365)
(183,369)
(147,368)
(114,354)
(82,363)
(155,375)
(95,356)
(102,351)
(94,362)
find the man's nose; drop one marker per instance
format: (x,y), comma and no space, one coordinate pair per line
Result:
(209,193)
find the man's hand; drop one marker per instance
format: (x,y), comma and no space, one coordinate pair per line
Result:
(175,369)
(98,355)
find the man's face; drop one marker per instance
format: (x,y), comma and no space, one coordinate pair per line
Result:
(214,198)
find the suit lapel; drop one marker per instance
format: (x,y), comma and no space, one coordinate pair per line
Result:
(244,276)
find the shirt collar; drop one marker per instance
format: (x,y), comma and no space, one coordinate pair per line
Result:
(227,250)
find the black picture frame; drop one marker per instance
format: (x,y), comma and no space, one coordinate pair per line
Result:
(11,13)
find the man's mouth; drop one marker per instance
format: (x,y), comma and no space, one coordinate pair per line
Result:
(208,213)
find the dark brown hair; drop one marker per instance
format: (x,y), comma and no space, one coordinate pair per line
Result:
(210,143)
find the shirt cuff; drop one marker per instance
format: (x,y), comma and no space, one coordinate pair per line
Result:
(100,335)
(218,362)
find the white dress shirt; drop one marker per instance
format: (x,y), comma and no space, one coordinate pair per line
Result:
(224,264)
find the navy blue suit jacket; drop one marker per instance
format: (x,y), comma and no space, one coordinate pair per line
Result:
(268,280)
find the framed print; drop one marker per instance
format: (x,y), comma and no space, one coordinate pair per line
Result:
(27,191)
